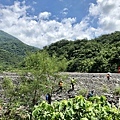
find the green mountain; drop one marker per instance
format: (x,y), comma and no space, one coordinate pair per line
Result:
(101,54)
(12,50)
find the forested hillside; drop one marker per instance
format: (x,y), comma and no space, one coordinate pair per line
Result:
(12,50)
(101,54)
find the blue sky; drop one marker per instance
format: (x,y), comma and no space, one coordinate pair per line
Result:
(42,22)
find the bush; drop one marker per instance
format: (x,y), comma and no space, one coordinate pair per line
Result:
(117,91)
(78,108)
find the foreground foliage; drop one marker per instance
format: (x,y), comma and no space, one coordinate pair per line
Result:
(38,76)
(78,108)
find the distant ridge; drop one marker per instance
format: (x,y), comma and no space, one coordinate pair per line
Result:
(6,35)
(11,44)
(12,50)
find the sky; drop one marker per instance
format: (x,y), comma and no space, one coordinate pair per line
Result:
(41,22)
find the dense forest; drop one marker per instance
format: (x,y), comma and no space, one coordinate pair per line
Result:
(101,54)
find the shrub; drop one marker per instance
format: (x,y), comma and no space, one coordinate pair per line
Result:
(116,91)
(78,108)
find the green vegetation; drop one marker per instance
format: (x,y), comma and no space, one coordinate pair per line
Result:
(12,51)
(101,54)
(39,75)
(83,92)
(117,91)
(78,108)
(104,88)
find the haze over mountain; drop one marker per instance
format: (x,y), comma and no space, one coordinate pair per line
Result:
(12,50)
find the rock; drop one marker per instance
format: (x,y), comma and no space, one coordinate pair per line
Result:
(84,81)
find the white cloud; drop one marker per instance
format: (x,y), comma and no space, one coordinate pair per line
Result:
(64,11)
(44,15)
(40,31)
(34,2)
(107,12)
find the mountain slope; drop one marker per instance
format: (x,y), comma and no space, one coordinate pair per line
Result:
(12,50)
(14,45)
(101,54)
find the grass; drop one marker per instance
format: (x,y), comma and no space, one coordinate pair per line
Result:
(116,91)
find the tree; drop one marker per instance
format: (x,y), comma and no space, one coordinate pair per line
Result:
(39,76)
